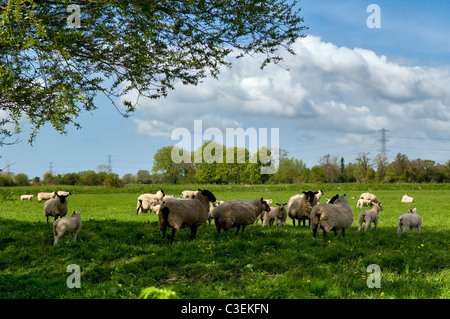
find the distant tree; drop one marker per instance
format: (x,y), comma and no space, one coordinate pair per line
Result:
(21,179)
(129,178)
(330,168)
(143,176)
(381,163)
(113,180)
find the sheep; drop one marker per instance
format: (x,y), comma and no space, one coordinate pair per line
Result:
(277,214)
(46,196)
(56,207)
(261,216)
(26,197)
(332,216)
(407,199)
(183,213)
(409,220)
(188,194)
(369,216)
(364,202)
(319,195)
(146,201)
(369,196)
(237,213)
(70,225)
(299,206)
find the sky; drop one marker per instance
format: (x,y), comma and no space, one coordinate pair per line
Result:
(346,82)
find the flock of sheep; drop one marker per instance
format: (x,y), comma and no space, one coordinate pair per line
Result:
(195,208)
(198,207)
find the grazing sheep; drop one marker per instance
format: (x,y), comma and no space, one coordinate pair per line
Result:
(299,206)
(369,196)
(407,199)
(364,202)
(183,213)
(46,196)
(26,197)
(237,213)
(332,216)
(276,214)
(369,216)
(409,220)
(146,201)
(56,207)
(70,225)
(188,194)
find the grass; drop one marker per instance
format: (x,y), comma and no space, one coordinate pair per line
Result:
(121,253)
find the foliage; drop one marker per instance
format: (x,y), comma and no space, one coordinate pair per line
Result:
(51,70)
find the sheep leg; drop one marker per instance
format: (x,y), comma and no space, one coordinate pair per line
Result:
(193,232)
(375,223)
(243,227)
(343,232)
(419,228)
(74,237)
(237,231)
(173,235)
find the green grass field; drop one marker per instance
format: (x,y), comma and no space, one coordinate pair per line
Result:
(121,253)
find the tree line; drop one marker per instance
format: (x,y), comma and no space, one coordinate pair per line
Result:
(246,170)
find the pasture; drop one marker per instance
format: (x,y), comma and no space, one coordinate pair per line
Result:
(121,253)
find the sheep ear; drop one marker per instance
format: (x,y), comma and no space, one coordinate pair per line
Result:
(304,192)
(316,192)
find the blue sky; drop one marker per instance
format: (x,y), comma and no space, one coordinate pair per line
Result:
(346,82)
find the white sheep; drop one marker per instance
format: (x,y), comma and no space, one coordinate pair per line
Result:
(369,196)
(56,207)
(333,216)
(407,199)
(147,201)
(26,197)
(45,196)
(185,213)
(370,216)
(237,213)
(188,194)
(364,202)
(409,221)
(70,225)
(276,214)
(299,206)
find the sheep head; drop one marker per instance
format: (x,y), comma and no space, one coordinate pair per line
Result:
(265,206)
(210,196)
(310,195)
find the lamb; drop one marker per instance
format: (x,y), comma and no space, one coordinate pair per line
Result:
(26,197)
(332,216)
(56,207)
(299,206)
(407,199)
(364,202)
(70,225)
(46,196)
(146,201)
(183,213)
(409,220)
(188,194)
(237,213)
(276,214)
(369,216)
(369,196)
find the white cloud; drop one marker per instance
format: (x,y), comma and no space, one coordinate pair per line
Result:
(328,88)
